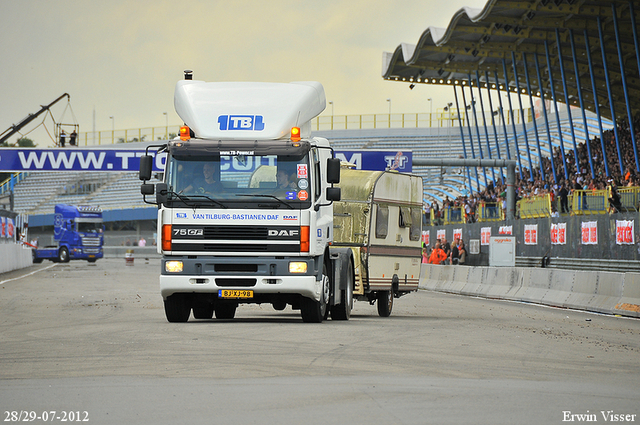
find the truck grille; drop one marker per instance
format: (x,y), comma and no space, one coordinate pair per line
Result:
(88,241)
(222,281)
(246,247)
(235,232)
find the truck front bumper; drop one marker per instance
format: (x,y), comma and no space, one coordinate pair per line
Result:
(262,275)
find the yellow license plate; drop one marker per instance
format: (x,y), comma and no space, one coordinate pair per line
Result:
(235,293)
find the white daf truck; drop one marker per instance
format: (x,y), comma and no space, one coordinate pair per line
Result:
(245,207)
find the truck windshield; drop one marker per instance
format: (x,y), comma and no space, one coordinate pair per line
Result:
(223,181)
(89,227)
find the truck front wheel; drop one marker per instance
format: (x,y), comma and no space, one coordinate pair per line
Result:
(177,308)
(63,255)
(315,311)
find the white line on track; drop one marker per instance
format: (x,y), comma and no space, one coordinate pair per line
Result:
(28,274)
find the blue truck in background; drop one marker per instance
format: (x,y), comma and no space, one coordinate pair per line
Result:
(78,232)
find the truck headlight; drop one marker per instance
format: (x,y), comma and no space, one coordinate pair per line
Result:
(173,266)
(297,267)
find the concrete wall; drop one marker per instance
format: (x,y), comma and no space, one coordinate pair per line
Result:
(138,251)
(603,292)
(14,257)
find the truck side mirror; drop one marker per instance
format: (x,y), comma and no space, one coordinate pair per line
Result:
(333,194)
(333,170)
(161,193)
(146,165)
(147,189)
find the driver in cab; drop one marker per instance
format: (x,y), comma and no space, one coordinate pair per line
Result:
(285,180)
(207,183)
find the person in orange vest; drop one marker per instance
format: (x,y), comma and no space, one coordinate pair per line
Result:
(437,255)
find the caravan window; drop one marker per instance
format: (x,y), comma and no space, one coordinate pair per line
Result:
(415,232)
(405,217)
(382,221)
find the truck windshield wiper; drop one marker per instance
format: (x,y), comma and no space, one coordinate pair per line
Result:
(189,201)
(268,196)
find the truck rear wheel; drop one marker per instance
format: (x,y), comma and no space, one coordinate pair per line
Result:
(177,308)
(203,311)
(385,303)
(279,305)
(342,311)
(36,260)
(63,255)
(225,310)
(315,311)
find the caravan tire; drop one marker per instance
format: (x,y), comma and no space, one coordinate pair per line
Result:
(385,303)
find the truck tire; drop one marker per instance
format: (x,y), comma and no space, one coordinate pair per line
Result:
(34,256)
(177,308)
(342,311)
(279,305)
(203,311)
(225,310)
(63,255)
(385,303)
(315,311)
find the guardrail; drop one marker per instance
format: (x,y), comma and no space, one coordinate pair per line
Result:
(579,202)
(585,264)
(440,118)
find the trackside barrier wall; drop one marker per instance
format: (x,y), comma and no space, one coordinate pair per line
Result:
(14,256)
(602,292)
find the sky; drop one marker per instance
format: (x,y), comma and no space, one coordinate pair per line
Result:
(122,59)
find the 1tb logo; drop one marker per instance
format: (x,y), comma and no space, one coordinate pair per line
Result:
(241,122)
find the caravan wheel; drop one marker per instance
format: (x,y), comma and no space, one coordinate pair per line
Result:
(385,303)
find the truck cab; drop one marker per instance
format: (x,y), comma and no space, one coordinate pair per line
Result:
(245,208)
(78,233)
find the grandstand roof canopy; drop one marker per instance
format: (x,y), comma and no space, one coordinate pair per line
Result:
(479,40)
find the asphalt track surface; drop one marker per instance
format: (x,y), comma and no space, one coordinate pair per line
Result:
(93,340)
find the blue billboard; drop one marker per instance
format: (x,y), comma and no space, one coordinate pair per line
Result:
(119,160)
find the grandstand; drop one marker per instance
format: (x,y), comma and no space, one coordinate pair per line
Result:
(37,193)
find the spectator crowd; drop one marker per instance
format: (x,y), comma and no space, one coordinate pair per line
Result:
(579,176)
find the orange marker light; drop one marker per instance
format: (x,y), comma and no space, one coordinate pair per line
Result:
(166,237)
(185,133)
(304,238)
(295,134)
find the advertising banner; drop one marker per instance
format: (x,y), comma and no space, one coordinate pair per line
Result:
(75,160)
(9,228)
(425,237)
(624,232)
(531,234)
(589,232)
(559,234)
(442,234)
(505,230)
(118,160)
(378,160)
(485,235)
